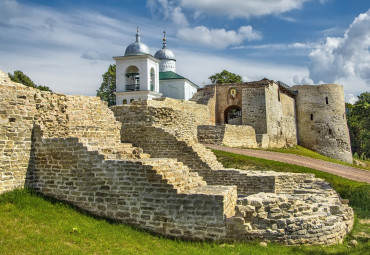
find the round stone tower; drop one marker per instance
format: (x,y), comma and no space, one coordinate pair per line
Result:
(321,120)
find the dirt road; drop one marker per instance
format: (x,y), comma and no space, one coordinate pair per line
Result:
(340,170)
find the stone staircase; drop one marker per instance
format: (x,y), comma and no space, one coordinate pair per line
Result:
(114,150)
(176,174)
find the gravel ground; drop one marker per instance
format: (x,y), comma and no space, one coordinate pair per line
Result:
(340,170)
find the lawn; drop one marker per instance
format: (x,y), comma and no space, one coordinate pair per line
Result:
(33,224)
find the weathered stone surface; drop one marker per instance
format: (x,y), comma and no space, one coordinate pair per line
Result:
(69,148)
(228,135)
(321,120)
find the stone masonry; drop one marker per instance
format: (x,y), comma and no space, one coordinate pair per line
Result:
(321,120)
(70,148)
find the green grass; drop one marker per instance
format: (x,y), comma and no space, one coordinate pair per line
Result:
(301,151)
(357,192)
(31,224)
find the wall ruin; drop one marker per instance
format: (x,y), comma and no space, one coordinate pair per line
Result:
(70,148)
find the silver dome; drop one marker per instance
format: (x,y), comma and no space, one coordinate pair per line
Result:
(165,54)
(137,48)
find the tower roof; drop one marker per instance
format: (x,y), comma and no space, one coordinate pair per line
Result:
(165,53)
(137,48)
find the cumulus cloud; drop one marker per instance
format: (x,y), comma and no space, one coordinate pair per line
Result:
(346,59)
(218,38)
(169,9)
(243,9)
(305,80)
(350,98)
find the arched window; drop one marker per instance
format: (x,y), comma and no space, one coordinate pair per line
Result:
(124,101)
(131,100)
(132,78)
(152,79)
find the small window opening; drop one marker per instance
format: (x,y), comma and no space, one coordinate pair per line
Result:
(326,100)
(311,116)
(124,101)
(330,132)
(278,95)
(131,100)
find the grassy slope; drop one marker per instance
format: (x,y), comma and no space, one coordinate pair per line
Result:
(299,150)
(31,224)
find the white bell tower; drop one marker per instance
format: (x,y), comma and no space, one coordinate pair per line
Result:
(137,74)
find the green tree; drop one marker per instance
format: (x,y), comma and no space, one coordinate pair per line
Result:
(225,77)
(358,117)
(108,86)
(19,77)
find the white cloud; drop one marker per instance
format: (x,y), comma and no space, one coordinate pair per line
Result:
(208,64)
(67,50)
(218,38)
(243,9)
(305,80)
(169,9)
(350,98)
(345,60)
(277,46)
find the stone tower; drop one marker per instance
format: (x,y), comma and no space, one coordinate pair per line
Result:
(137,74)
(321,120)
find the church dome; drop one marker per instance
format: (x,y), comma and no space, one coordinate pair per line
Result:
(137,48)
(165,53)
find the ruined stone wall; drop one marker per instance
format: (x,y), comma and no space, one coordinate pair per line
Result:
(69,148)
(280,117)
(167,128)
(16,122)
(159,195)
(321,120)
(228,135)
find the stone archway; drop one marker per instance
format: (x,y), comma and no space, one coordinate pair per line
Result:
(233,115)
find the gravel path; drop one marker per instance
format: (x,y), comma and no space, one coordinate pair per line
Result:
(340,170)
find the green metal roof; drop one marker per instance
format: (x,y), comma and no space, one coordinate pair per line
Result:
(169,75)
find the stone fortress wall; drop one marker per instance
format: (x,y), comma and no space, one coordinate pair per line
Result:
(70,148)
(280,116)
(266,107)
(321,120)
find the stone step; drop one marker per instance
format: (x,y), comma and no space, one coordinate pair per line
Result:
(114,149)
(176,174)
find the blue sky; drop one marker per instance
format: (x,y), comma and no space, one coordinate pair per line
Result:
(68,45)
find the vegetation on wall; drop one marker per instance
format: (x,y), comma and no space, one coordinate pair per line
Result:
(108,86)
(358,118)
(225,77)
(19,77)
